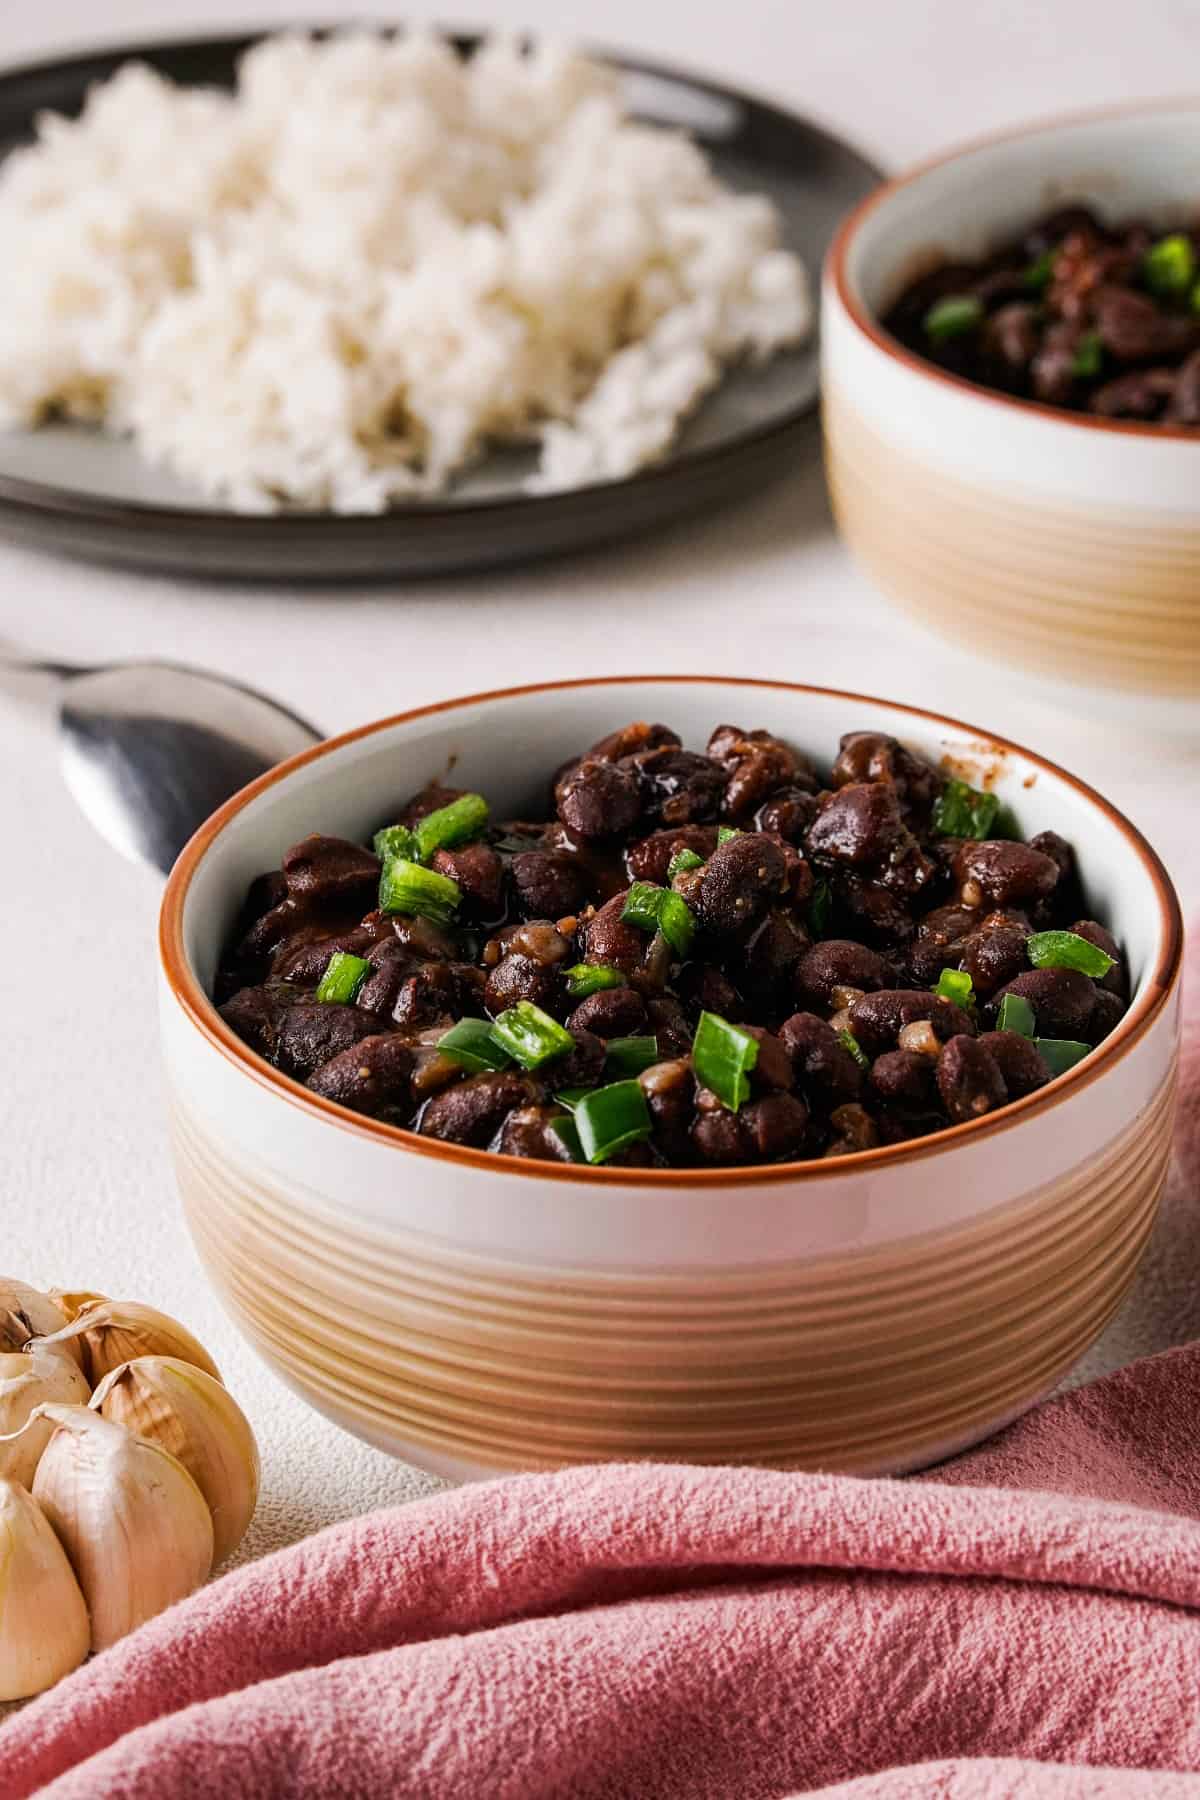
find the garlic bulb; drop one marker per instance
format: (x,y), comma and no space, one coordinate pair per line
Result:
(25,1313)
(28,1381)
(134,1524)
(44,1630)
(180,1407)
(112,1332)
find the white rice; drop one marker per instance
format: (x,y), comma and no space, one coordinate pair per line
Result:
(336,287)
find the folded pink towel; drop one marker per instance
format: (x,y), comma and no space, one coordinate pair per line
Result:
(1025,1622)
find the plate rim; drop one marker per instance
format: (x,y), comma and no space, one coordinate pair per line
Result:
(38,500)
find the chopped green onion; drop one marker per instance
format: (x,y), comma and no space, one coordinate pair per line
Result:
(722,1056)
(725,832)
(344,975)
(1170,266)
(849,1042)
(1060,1054)
(1088,359)
(570,1097)
(566,1130)
(1067,950)
(612,1118)
(396,840)
(658,909)
(1039,274)
(457,823)
(632,1054)
(470,1044)
(820,908)
(952,317)
(406,887)
(530,1035)
(682,861)
(962,811)
(589,978)
(1016,1014)
(956,985)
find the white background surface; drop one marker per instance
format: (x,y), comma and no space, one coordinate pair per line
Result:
(87,1197)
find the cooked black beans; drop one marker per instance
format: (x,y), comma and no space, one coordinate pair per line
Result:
(1079,314)
(822,917)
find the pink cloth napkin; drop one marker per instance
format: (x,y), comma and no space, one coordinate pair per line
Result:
(1024,1622)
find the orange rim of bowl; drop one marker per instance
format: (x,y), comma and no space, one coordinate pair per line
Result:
(871,328)
(204,1016)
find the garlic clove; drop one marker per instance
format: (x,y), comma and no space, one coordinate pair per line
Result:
(25,1312)
(71,1301)
(44,1628)
(112,1332)
(41,1376)
(135,1526)
(194,1417)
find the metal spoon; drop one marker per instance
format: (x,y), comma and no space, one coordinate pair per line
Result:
(150,749)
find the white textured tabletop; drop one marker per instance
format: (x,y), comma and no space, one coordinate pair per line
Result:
(86,1193)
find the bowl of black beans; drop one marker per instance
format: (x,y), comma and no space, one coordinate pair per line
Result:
(1012,403)
(575,1072)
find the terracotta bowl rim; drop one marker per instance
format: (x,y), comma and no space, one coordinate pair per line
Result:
(202,1014)
(836,276)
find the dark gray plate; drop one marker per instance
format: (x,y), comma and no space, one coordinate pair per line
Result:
(73,490)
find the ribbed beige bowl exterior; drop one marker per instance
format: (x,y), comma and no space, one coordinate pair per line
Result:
(477,1314)
(1066,545)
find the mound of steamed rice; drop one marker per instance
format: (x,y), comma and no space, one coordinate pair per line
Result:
(334,287)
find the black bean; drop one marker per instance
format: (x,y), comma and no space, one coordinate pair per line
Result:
(904,1078)
(774,1127)
(938,942)
(968,1080)
(599,799)
(304,957)
(767,961)
(716,1136)
(518,977)
(431,799)
(883,918)
(744,875)
(838,962)
(610,1013)
(1107,1012)
(312,1032)
(773,1068)
(474,1110)
(328,870)
(705,988)
(679,787)
(755,763)
(549,884)
(1063,1000)
(865,756)
(670,1089)
(821,1064)
(632,739)
(789,812)
(1117,979)
(439,991)
(854,1129)
(613,940)
(392,965)
(1012,333)
(371,1077)
(669,1025)
(256,1014)
(650,858)
(529,1131)
(860,824)
(580,1067)
(995,954)
(1017,1060)
(479,872)
(1003,873)
(878,1019)
(427,941)
(1133,329)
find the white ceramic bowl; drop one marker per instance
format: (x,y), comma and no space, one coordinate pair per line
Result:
(474,1313)
(1067,545)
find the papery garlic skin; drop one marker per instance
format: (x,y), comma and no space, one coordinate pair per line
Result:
(71,1301)
(177,1405)
(111,1332)
(135,1526)
(25,1312)
(38,1377)
(44,1627)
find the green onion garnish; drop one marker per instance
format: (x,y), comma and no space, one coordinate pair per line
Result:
(962,811)
(589,978)
(1067,950)
(566,1130)
(1088,359)
(722,1057)
(570,1097)
(952,317)
(820,907)
(849,1042)
(344,975)
(1170,266)
(632,1054)
(658,909)
(405,887)
(1060,1054)
(457,823)
(682,861)
(530,1035)
(470,1044)
(956,985)
(396,840)
(612,1118)
(1016,1014)
(1039,274)
(725,832)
